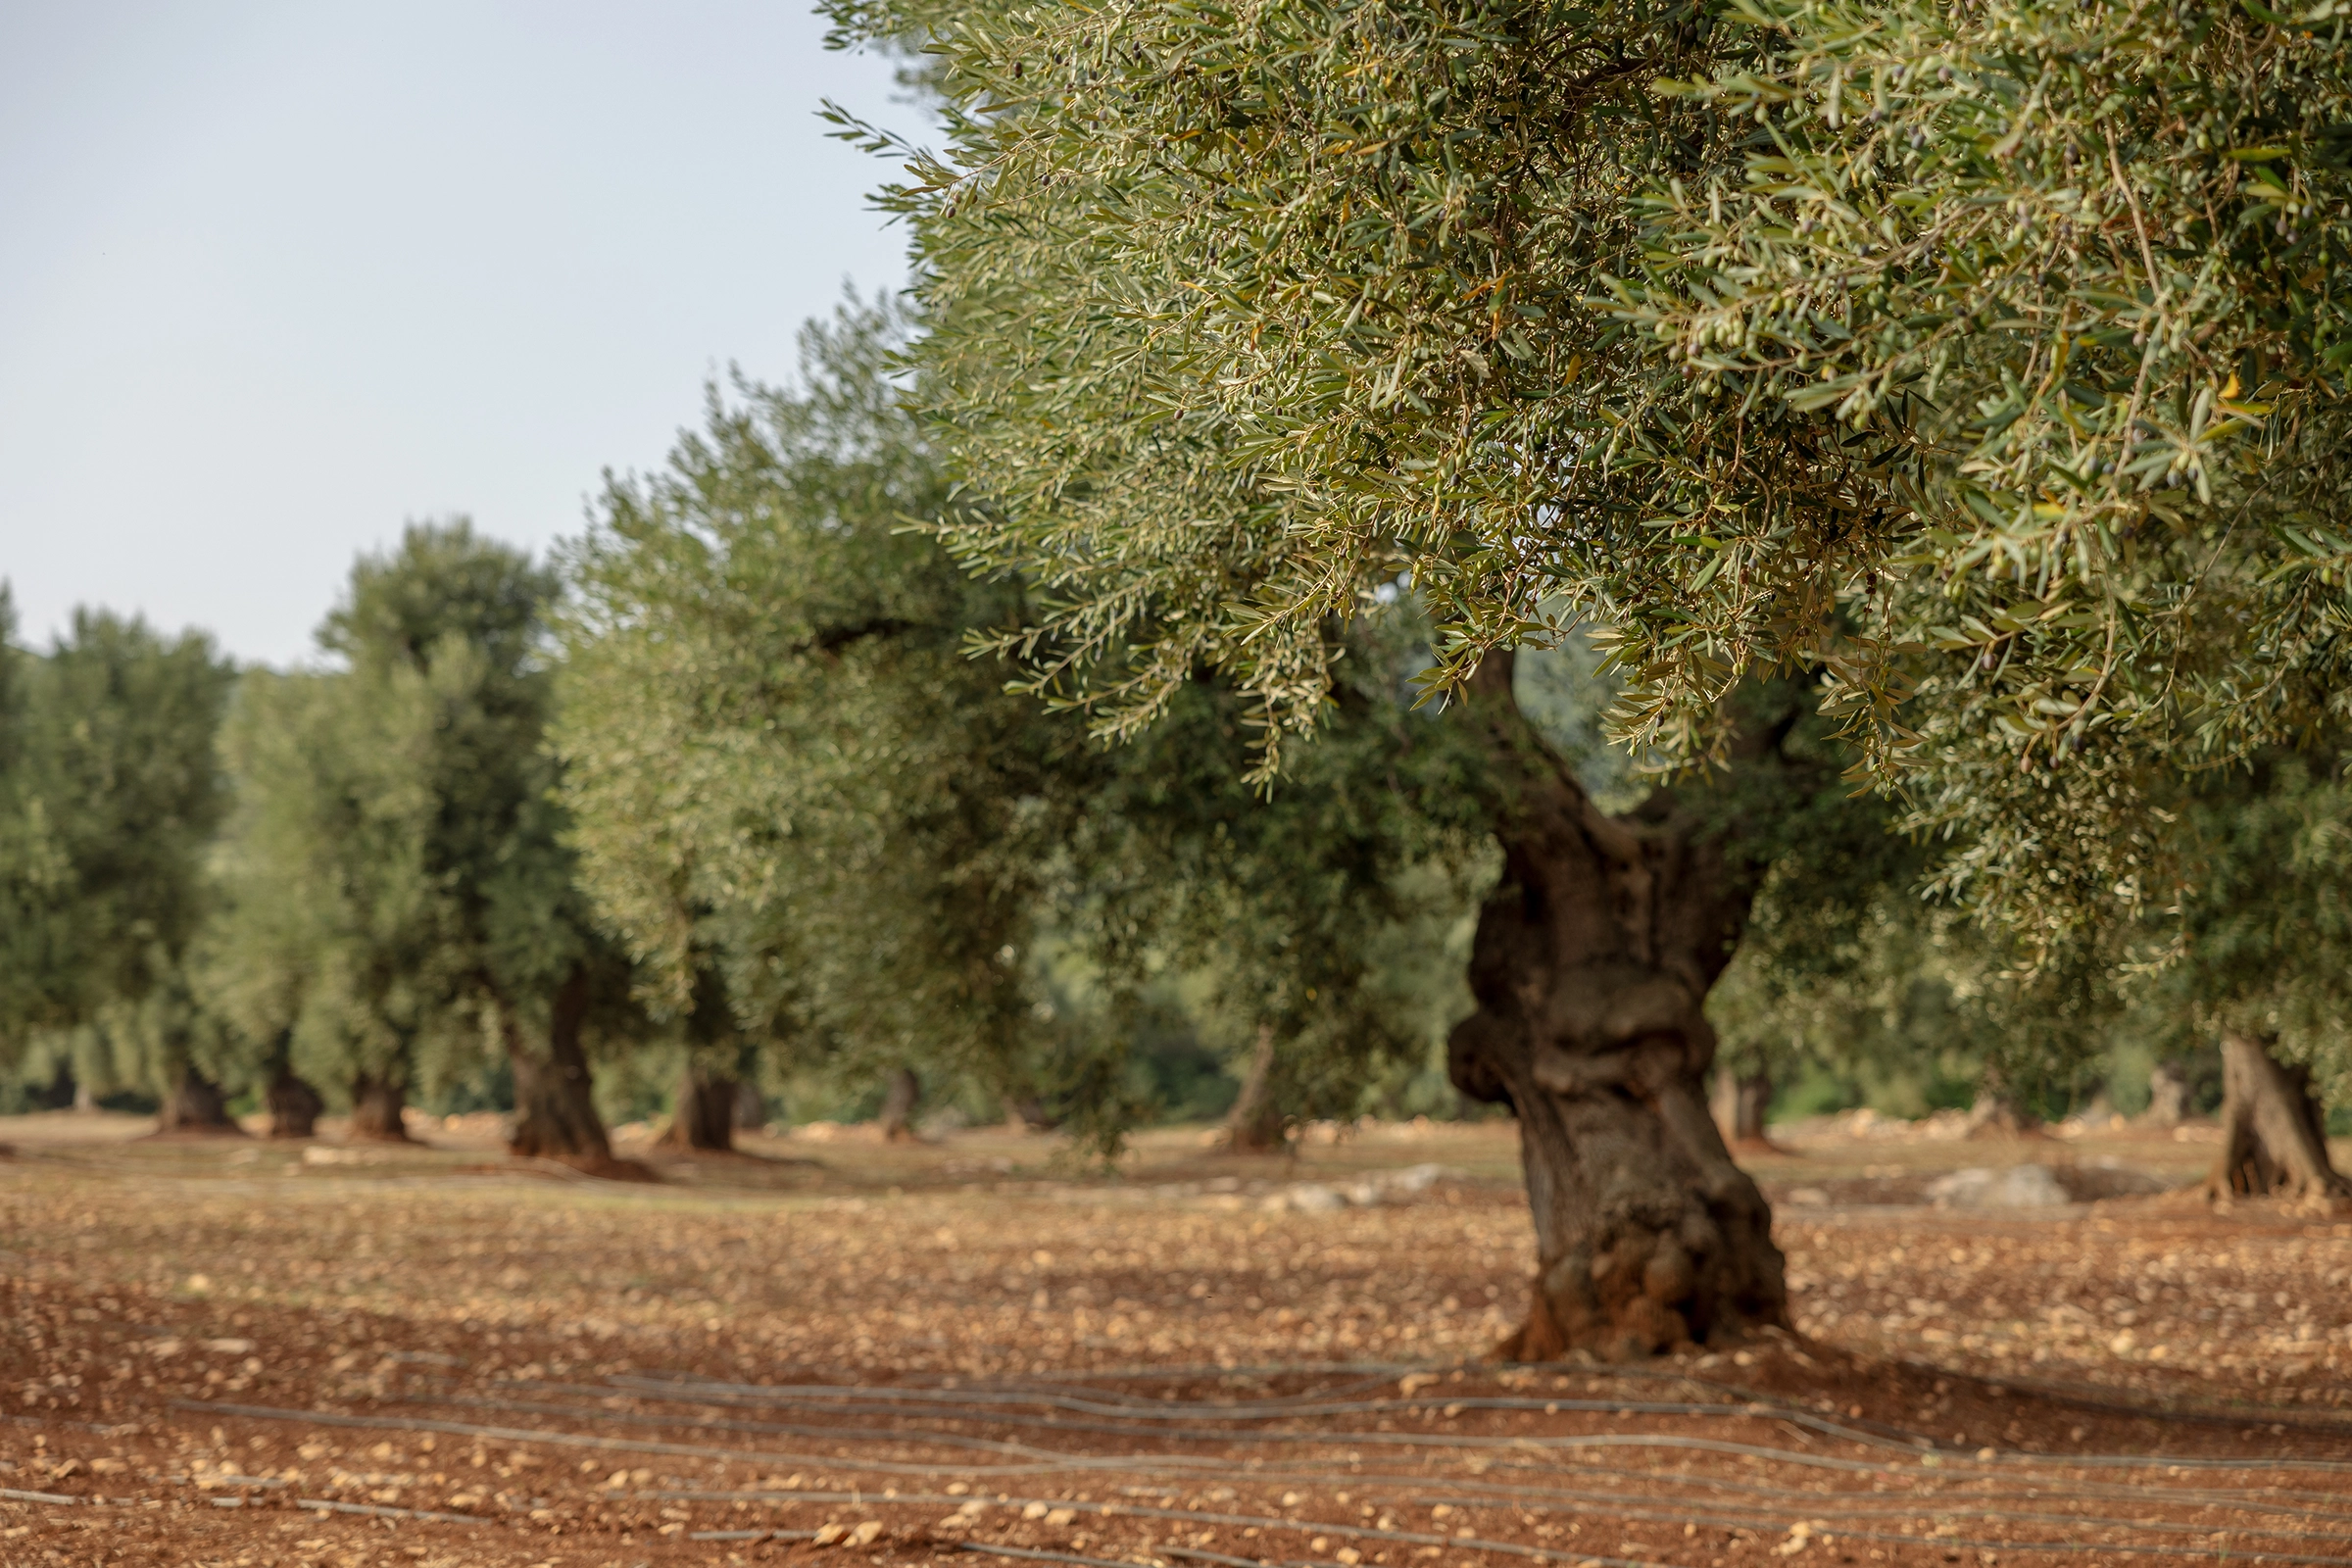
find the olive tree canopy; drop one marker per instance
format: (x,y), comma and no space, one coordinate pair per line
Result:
(1985,359)
(111,795)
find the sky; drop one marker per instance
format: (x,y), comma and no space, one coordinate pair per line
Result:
(275,280)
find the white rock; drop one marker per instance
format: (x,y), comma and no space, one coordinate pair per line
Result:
(2019,1187)
(1417,1178)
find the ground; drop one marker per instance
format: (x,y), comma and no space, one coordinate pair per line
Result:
(840,1352)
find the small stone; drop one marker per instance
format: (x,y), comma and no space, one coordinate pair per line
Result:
(2019,1187)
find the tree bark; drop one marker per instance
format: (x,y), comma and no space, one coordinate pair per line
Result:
(2273,1137)
(63,1089)
(294,1106)
(1254,1125)
(194,1103)
(1999,1113)
(376,1103)
(554,1109)
(1740,1101)
(703,1117)
(899,1102)
(1590,965)
(2168,1095)
(751,1106)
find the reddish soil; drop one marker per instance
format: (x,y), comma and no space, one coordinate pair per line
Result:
(240,1355)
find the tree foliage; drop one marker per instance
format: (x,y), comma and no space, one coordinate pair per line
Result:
(337,948)
(112,797)
(1983,359)
(2260,943)
(781,764)
(399,894)
(786,768)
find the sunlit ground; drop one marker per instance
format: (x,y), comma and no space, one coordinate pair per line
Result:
(311,1317)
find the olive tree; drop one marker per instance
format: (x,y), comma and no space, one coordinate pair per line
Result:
(2256,954)
(1983,357)
(113,796)
(1245,323)
(405,802)
(338,950)
(815,823)
(1979,363)
(789,774)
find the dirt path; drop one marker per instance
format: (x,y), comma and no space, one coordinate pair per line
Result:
(241,1356)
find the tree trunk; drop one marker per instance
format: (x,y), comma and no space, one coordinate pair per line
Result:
(1740,1101)
(1999,1113)
(2275,1139)
(1590,965)
(703,1117)
(195,1104)
(899,1100)
(555,1110)
(751,1106)
(85,1102)
(294,1106)
(1027,1114)
(2168,1095)
(1254,1125)
(63,1089)
(376,1104)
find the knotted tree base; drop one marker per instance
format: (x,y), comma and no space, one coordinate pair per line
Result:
(2273,1137)
(1648,1237)
(294,1106)
(555,1101)
(195,1108)
(378,1110)
(1591,967)
(903,1096)
(1256,1124)
(702,1122)
(1740,1102)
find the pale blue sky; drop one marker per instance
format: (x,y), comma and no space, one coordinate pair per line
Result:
(275,279)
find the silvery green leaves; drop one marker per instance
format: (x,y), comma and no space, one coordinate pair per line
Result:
(2074,274)
(2074,268)
(1986,361)
(1238,316)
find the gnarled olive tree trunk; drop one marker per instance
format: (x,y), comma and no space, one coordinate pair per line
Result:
(2273,1137)
(1999,1111)
(899,1102)
(703,1117)
(555,1107)
(194,1103)
(751,1106)
(294,1106)
(1027,1114)
(1740,1101)
(378,1102)
(1589,967)
(63,1089)
(1253,1126)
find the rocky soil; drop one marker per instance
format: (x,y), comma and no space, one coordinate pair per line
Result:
(841,1353)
